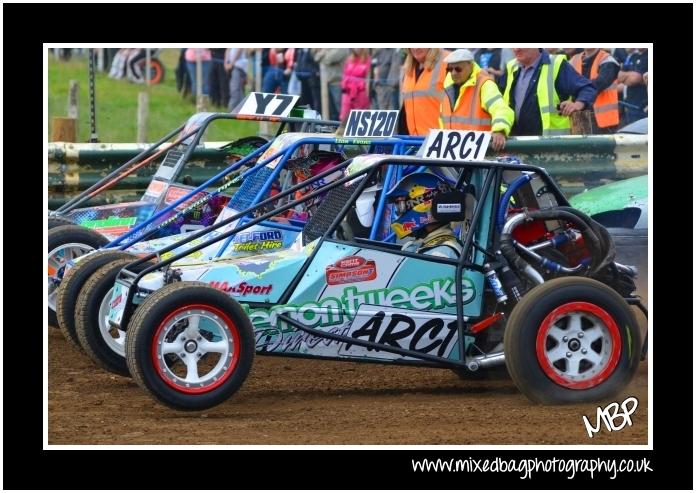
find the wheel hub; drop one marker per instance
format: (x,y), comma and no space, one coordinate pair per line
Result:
(574,344)
(190,346)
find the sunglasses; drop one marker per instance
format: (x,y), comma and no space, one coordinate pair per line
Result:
(454,69)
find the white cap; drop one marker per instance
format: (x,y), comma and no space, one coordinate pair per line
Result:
(460,55)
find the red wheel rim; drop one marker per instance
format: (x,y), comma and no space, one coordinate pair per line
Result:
(578,345)
(228,360)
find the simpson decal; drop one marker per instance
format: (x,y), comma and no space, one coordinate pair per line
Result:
(351,269)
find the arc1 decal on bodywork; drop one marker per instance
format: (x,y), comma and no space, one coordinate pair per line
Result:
(430,333)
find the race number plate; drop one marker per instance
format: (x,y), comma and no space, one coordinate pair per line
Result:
(371,123)
(455,145)
(267,104)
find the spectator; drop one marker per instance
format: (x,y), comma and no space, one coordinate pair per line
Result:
(136,55)
(489,60)
(332,60)
(631,80)
(422,90)
(570,52)
(542,107)
(619,55)
(387,75)
(190,55)
(219,78)
(280,66)
(601,68)
(472,100)
(307,72)
(354,83)
(236,67)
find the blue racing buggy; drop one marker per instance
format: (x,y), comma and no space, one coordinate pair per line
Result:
(83,298)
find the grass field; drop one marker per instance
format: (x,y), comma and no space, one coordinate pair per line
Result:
(117,103)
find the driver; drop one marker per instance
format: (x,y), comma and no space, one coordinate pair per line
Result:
(412,199)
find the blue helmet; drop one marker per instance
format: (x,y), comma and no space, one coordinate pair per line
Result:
(412,198)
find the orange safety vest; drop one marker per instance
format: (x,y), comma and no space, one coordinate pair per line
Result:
(606,106)
(468,114)
(422,97)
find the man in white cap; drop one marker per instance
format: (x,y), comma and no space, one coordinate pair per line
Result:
(472,100)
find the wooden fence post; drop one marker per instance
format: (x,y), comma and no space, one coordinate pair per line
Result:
(143,113)
(64,129)
(73,99)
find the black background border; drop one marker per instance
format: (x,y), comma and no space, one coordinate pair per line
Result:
(27,26)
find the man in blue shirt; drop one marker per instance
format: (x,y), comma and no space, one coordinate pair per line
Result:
(522,95)
(636,91)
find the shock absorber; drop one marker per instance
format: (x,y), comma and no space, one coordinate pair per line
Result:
(495,284)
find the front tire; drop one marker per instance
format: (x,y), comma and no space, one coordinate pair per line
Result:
(66,243)
(572,340)
(190,346)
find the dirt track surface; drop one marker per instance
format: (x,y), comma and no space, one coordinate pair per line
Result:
(297,401)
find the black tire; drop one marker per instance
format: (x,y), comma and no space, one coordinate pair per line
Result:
(156,70)
(71,285)
(594,306)
(150,320)
(87,326)
(55,221)
(64,235)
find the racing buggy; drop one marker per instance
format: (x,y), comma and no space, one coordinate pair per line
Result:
(295,163)
(534,288)
(74,230)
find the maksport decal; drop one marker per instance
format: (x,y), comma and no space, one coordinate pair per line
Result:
(254,241)
(427,332)
(241,289)
(351,269)
(270,273)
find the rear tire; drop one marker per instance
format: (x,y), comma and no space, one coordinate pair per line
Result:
(69,289)
(66,243)
(572,340)
(180,324)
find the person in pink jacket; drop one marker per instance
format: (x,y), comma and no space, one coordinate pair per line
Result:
(354,83)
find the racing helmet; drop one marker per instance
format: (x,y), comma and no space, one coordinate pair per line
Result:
(412,198)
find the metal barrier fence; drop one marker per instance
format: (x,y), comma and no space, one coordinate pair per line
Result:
(577,163)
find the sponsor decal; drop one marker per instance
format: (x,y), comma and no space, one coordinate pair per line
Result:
(417,331)
(254,241)
(241,289)
(155,188)
(351,269)
(113,225)
(371,123)
(434,295)
(115,302)
(449,208)
(454,145)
